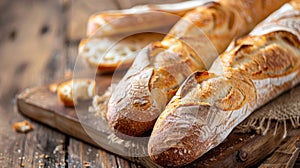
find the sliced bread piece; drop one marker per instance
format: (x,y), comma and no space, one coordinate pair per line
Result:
(108,53)
(78,89)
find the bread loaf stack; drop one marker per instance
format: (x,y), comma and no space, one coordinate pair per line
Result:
(161,67)
(209,104)
(171,84)
(139,19)
(115,37)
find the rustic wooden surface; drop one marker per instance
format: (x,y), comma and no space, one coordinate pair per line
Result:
(238,150)
(286,154)
(38,45)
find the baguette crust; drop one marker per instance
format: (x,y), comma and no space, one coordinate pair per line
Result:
(158,72)
(224,20)
(122,21)
(210,104)
(127,121)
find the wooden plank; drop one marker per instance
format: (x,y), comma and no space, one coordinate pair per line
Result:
(44,147)
(231,153)
(130,3)
(79,12)
(30,46)
(82,155)
(121,162)
(286,154)
(297,164)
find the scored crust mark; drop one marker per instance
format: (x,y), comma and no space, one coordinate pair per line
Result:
(163,80)
(273,55)
(209,19)
(233,100)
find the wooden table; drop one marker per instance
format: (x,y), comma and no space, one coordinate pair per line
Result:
(38,45)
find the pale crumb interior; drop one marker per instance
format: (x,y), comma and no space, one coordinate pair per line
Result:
(83,89)
(114,50)
(78,89)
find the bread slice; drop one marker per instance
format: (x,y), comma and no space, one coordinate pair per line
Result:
(78,89)
(108,53)
(105,50)
(139,18)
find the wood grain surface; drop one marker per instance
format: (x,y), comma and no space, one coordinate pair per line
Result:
(38,46)
(238,150)
(286,154)
(31,52)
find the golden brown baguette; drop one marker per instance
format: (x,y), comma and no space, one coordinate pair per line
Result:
(210,104)
(108,48)
(160,69)
(139,19)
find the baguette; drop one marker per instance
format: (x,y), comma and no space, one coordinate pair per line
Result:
(211,103)
(106,54)
(106,30)
(161,67)
(139,18)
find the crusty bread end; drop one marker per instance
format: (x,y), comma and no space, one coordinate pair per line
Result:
(70,91)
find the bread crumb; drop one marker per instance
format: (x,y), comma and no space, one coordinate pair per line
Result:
(53,87)
(86,164)
(99,104)
(22,127)
(57,149)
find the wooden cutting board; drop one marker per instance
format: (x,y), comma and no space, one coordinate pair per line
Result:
(238,150)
